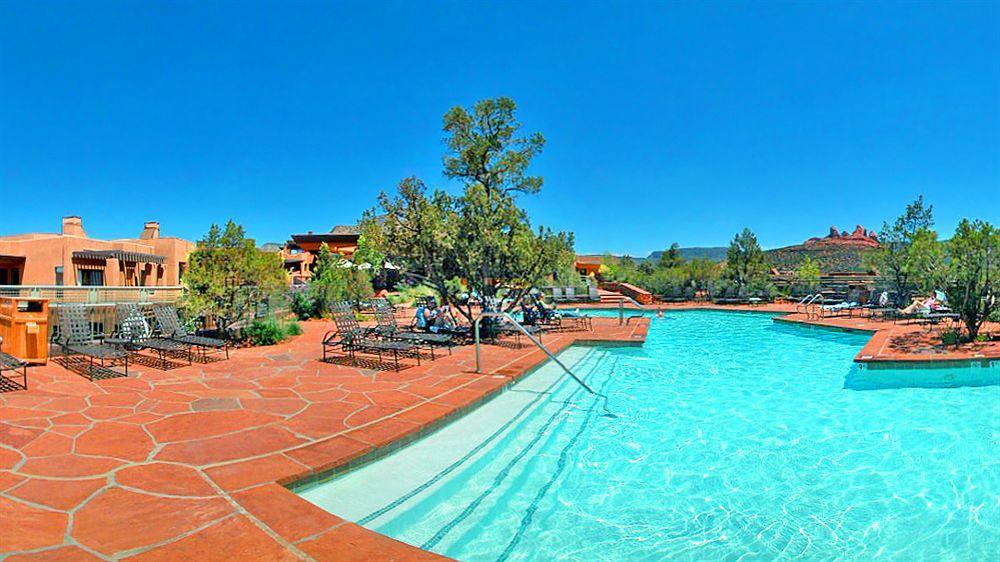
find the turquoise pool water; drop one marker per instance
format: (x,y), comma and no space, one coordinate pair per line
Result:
(736,438)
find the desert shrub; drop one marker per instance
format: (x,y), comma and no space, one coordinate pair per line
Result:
(271,330)
(408,293)
(305,305)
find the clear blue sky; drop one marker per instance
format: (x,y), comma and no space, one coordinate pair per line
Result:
(665,121)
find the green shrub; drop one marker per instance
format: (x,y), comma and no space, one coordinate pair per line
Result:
(407,294)
(305,305)
(950,337)
(271,330)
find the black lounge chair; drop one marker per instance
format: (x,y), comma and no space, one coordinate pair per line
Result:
(388,329)
(554,318)
(351,338)
(77,338)
(170,327)
(134,334)
(10,363)
(491,328)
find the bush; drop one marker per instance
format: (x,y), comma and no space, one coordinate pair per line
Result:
(950,337)
(271,330)
(408,294)
(305,305)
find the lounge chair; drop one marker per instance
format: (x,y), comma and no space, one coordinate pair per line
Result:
(557,294)
(351,338)
(10,363)
(170,327)
(492,327)
(555,318)
(134,334)
(77,338)
(388,329)
(570,294)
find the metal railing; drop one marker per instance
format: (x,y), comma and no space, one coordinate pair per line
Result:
(534,340)
(621,307)
(95,294)
(803,305)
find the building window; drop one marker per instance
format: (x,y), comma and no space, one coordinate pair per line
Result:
(59,275)
(89,277)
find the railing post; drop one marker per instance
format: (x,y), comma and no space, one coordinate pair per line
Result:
(476,324)
(533,340)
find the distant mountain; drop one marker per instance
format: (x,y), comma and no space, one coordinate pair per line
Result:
(713,253)
(837,251)
(270,247)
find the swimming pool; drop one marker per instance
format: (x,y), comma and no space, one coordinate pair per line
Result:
(736,438)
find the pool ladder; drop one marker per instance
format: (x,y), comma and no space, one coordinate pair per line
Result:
(621,307)
(813,300)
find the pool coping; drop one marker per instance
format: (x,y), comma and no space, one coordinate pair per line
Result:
(871,354)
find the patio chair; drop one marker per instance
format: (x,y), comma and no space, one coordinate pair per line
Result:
(388,328)
(169,325)
(554,318)
(134,334)
(492,327)
(10,363)
(77,338)
(570,294)
(351,338)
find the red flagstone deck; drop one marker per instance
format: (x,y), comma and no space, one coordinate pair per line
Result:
(903,342)
(190,463)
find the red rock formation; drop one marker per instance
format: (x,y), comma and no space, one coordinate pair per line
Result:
(860,237)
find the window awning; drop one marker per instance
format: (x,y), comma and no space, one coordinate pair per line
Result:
(120,255)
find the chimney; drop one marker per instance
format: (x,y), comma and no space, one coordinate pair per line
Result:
(73,226)
(150,230)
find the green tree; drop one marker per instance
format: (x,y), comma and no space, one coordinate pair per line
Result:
(227,275)
(973,273)
(335,279)
(671,257)
(702,272)
(907,251)
(746,263)
(926,262)
(481,236)
(807,274)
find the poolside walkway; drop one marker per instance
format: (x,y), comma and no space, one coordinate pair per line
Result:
(190,463)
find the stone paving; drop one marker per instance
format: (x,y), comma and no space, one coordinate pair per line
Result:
(191,462)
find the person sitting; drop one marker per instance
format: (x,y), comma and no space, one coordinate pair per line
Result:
(444,320)
(424,318)
(528,315)
(920,305)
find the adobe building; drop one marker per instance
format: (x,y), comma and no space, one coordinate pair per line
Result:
(71,258)
(588,264)
(299,253)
